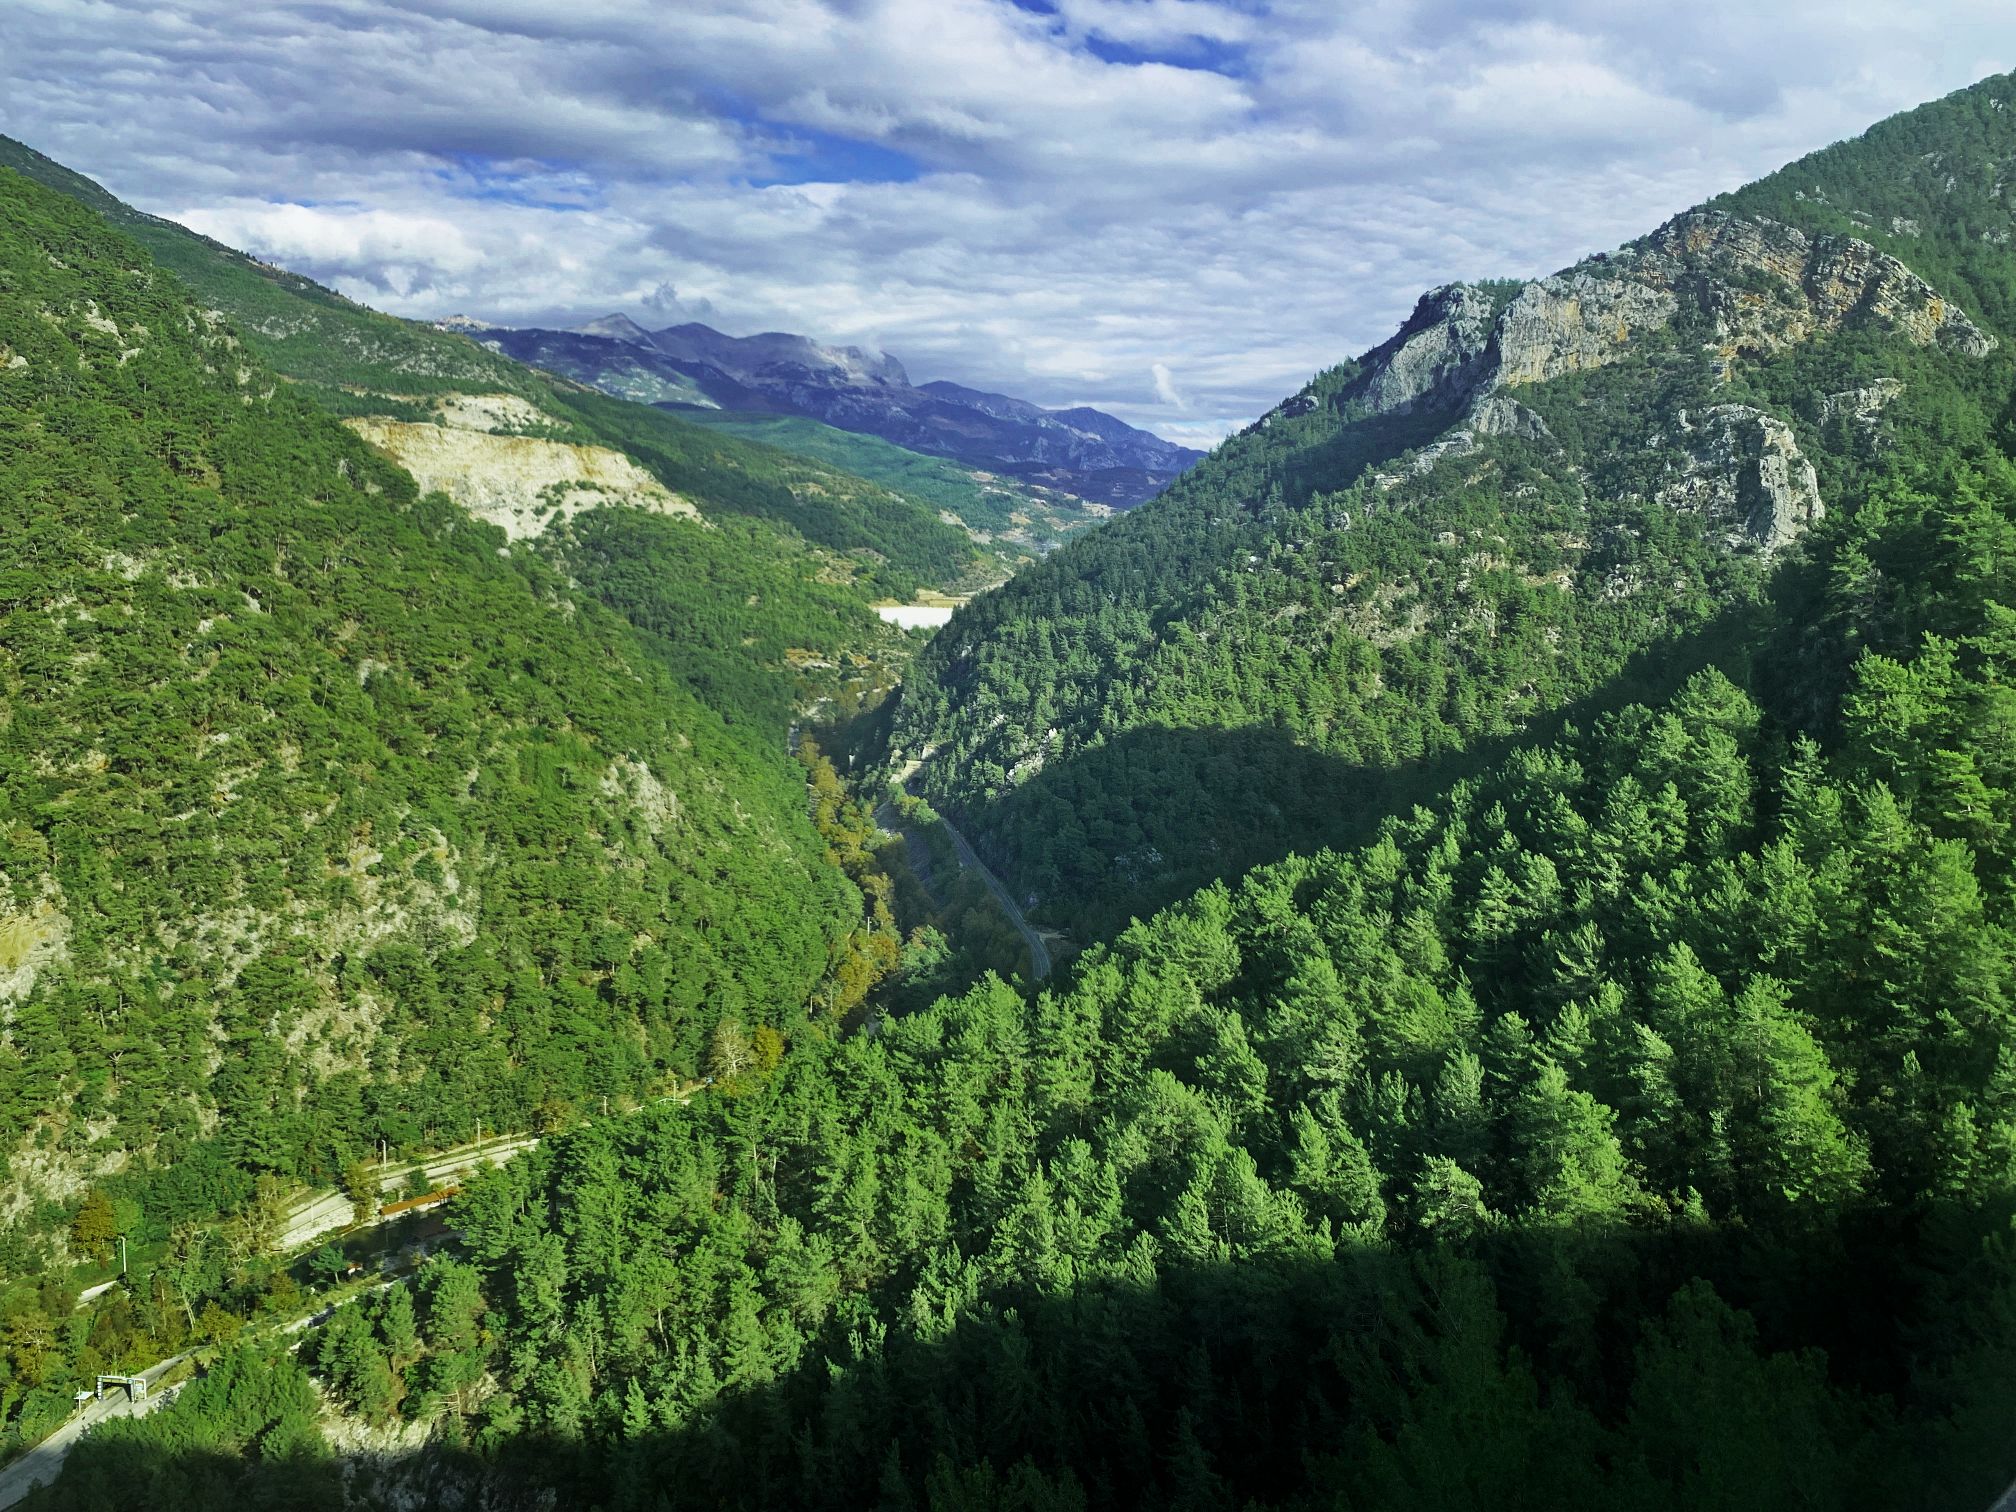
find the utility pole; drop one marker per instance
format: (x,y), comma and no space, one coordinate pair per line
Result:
(122,1254)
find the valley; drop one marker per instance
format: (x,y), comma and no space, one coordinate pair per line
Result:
(614,918)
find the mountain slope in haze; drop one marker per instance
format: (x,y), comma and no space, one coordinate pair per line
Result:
(326,817)
(359,363)
(1531,489)
(1080,451)
(1017,519)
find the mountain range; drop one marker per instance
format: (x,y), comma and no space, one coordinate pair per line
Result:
(1079,451)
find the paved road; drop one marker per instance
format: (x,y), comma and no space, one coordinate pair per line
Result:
(320,1213)
(39,1466)
(1039,953)
(325,1212)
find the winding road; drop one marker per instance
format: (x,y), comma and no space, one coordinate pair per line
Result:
(1039,953)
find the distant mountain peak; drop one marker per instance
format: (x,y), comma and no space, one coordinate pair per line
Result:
(748,357)
(616,327)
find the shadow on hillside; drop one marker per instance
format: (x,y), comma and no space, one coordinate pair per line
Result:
(1375,1380)
(1156,813)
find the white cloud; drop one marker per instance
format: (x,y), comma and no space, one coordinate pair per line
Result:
(1265,199)
(1156,24)
(400,252)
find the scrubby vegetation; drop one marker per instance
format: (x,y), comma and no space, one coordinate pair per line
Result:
(327,819)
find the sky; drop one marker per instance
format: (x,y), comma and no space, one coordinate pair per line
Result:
(1176,210)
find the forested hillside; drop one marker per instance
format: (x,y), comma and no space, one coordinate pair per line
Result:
(1579,1069)
(356,361)
(328,818)
(1533,496)
(1634,1126)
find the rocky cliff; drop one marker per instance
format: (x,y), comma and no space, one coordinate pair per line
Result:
(1744,288)
(1744,473)
(1755,288)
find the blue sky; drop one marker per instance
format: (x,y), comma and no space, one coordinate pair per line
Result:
(1176,210)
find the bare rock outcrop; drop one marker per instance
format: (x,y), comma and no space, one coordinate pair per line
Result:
(1768,286)
(1493,415)
(1744,472)
(520,482)
(1574,321)
(34,937)
(1762,287)
(1439,356)
(1862,405)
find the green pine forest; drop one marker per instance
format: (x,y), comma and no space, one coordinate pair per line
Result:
(1542,1031)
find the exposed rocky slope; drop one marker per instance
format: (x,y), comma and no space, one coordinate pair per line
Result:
(1745,288)
(475,452)
(1745,474)
(1080,451)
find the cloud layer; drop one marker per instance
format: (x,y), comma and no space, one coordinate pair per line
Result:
(1174,209)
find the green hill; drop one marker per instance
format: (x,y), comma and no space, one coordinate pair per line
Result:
(324,818)
(356,361)
(1532,496)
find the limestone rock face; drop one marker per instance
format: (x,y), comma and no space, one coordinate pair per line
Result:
(32,939)
(521,483)
(1745,472)
(1761,285)
(1439,355)
(1769,286)
(1862,405)
(1502,415)
(1493,415)
(1574,321)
